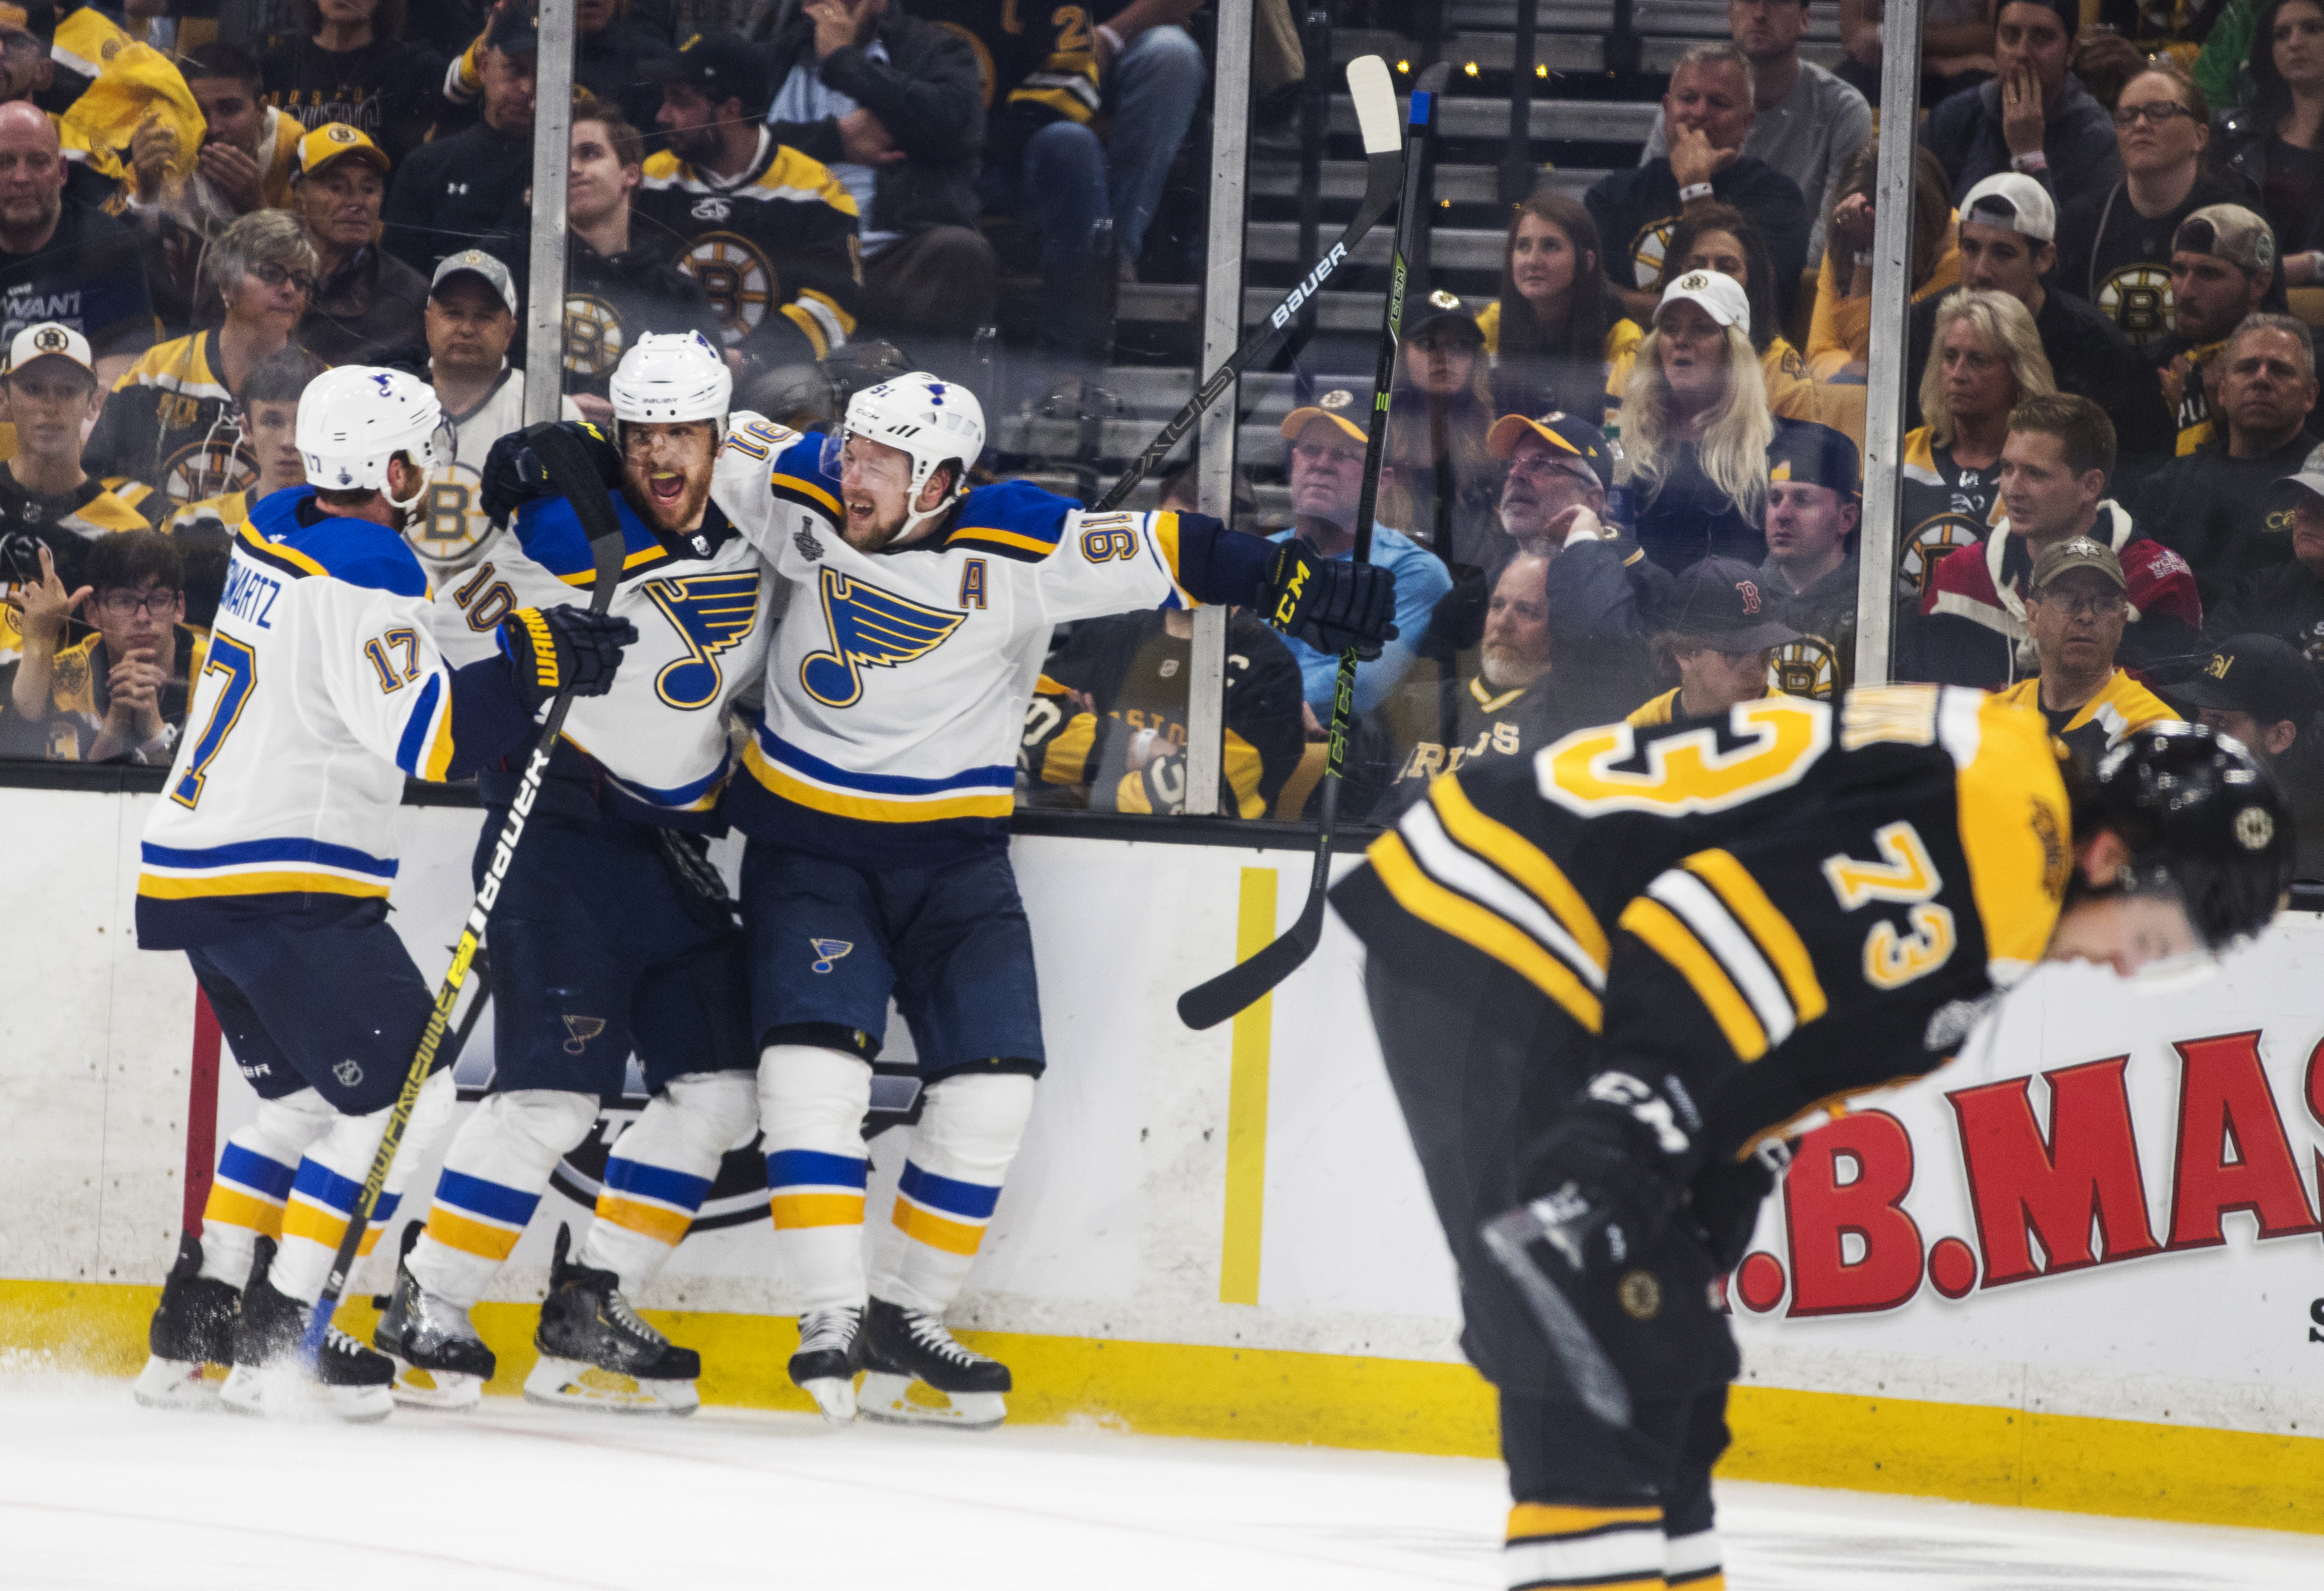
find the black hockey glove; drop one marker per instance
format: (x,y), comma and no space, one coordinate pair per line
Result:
(514,474)
(1724,1199)
(1331,603)
(1606,1178)
(548,648)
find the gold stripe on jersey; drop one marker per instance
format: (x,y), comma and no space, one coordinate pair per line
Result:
(1603,1549)
(288,559)
(996,536)
(2015,827)
(163,887)
(1715,927)
(1482,929)
(1525,862)
(1658,928)
(1767,925)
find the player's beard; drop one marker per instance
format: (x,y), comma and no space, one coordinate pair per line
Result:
(671,514)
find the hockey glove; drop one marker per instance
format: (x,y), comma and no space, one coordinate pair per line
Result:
(514,474)
(1329,603)
(548,648)
(1724,1199)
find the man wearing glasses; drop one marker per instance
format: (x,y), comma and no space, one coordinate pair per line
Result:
(2076,609)
(117,693)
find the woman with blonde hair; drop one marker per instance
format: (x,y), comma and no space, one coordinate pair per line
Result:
(1986,360)
(1839,332)
(1695,427)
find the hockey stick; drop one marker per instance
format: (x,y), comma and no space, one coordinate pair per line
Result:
(575,478)
(1207,1004)
(1375,97)
(1585,1363)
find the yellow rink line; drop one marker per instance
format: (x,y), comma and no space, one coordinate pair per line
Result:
(1970,1453)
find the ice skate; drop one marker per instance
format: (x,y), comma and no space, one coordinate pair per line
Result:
(192,1329)
(347,1381)
(597,1353)
(916,1373)
(440,1362)
(830,1352)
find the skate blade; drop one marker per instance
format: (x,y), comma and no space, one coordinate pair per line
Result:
(443,1390)
(281,1391)
(900,1400)
(175,1385)
(834,1398)
(568,1383)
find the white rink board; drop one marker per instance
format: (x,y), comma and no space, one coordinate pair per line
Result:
(1113,1225)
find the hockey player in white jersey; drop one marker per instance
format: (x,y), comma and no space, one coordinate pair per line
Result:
(612,933)
(268,862)
(877,800)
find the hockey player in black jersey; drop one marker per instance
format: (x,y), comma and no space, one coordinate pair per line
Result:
(1603,978)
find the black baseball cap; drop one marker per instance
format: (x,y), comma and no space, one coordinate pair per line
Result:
(1804,450)
(2256,674)
(516,32)
(1728,602)
(720,65)
(1439,307)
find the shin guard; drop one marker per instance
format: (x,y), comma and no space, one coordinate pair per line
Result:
(255,1171)
(660,1170)
(811,1107)
(969,1132)
(330,1178)
(1555,1544)
(493,1179)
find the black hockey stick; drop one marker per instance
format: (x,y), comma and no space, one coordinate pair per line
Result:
(575,478)
(1375,97)
(1207,1004)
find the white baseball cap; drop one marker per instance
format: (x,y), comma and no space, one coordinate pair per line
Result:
(475,261)
(49,339)
(2018,202)
(1721,295)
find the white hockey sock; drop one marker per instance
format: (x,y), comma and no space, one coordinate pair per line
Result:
(254,1174)
(493,1178)
(969,1132)
(323,1195)
(1584,1544)
(811,1107)
(661,1169)
(1691,1563)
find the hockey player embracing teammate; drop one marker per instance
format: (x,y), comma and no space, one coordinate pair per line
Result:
(323,688)
(612,932)
(1608,978)
(876,793)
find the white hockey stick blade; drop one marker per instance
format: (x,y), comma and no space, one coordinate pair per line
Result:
(1369,86)
(900,1399)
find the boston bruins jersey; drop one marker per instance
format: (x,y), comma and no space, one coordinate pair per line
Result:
(169,425)
(322,690)
(1038,63)
(1946,505)
(774,248)
(898,681)
(1135,673)
(1821,664)
(1803,901)
(450,528)
(1434,727)
(655,744)
(2090,731)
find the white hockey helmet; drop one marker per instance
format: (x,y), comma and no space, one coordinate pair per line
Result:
(936,421)
(667,376)
(352,419)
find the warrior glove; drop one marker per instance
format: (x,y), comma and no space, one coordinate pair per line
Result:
(514,474)
(1330,604)
(551,648)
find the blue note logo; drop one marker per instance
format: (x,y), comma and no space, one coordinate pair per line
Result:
(582,1028)
(827,951)
(711,613)
(870,629)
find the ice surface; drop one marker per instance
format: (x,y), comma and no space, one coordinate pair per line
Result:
(96,1491)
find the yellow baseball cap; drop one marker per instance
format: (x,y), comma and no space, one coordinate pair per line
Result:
(1329,406)
(335,141)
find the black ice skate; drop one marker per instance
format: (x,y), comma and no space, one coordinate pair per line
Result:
(440,1362)
(830,1352)
(192,1329)
(918,1374)
(597,1353)
(347,1380)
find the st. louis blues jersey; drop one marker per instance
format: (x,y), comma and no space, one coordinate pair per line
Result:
(898,681)
(321,690)
(656,741)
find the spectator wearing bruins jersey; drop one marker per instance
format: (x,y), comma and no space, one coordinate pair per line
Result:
(115,688)
(46,499)
(170,422)
(1985,359)
(2287,600)
(2223,266)
(1110,713)
(620,283)
(1717,631)
(1811,572)
(2076,608)
(2114,243)
(266,415)
(769,234)
(2216,506)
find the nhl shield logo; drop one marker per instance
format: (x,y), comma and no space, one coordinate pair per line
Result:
(348,1074)
(828,951)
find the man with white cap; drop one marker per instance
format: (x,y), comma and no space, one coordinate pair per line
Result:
(46,498)
(2007,224)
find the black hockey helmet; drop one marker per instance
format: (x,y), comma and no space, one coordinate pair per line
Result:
(2204,822)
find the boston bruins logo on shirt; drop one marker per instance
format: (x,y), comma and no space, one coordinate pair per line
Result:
(2137,299)
(1647,249)
(1928,544)
(593,336)
(735,278)
(451,526)
(1806,667)
(207,469)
